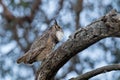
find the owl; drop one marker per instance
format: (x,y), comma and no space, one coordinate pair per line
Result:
(43,45)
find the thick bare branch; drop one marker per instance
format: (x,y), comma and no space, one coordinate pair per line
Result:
(107,26)
(97,71)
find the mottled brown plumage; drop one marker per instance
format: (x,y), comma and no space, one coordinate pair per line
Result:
(43,45)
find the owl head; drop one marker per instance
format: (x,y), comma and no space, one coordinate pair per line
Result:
(57,30)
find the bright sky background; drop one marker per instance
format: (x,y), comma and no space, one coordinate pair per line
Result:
(95,53)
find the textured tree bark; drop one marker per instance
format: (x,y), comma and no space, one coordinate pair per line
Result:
(106,26)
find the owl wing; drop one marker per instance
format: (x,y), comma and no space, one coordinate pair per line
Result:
(30,56)
(40,41)
(33,54)
(38,45)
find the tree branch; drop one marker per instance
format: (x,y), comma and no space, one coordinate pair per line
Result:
(106,26)
(78,8)
(34,8)
(10,17)
(97,71)
(19,20)
(7,14)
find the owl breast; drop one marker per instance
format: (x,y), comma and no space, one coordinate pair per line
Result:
(59,35)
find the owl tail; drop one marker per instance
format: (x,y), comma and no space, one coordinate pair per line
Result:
(26,58)
(21,59)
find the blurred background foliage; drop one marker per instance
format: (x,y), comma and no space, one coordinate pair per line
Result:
(21,21)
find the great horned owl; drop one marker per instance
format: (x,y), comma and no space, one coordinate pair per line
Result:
(43,45)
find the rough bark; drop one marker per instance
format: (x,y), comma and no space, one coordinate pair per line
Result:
(106,26)
(97,71)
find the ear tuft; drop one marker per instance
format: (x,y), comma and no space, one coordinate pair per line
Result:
(55,22)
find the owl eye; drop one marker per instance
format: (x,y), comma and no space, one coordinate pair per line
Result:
(58,27)
(55,27)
